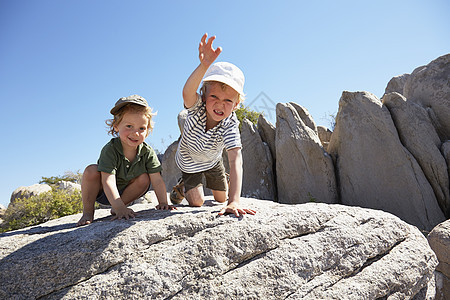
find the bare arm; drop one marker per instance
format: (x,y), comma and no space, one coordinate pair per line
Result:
(111,192)
(160,191)
(235,160)
(207,55)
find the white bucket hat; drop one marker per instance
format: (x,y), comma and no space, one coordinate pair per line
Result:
(227,73)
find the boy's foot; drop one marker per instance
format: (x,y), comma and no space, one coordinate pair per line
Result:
(85,219)
(177,193)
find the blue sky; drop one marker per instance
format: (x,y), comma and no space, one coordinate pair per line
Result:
(63,64)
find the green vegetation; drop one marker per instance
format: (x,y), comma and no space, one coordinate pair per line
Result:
(246,113)
(38,209)
(74,177)
(41,208)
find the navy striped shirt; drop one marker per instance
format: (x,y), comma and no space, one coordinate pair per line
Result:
(198,150)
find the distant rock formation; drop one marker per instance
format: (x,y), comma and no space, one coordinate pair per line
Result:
(304,251)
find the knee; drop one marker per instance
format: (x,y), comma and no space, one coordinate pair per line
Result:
(91,173)
(143,180)
(195,198)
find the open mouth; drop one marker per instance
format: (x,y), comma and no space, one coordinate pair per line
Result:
(217,112)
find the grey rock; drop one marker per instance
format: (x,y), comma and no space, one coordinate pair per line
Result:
(29,191)
(304,170)
(305,116)
(170,171)
(445,149)
(429,86)
(68,186)
(374,169)
(439,240)
(258,179)
(267,132)
(396,84)
(308,251)
(324,136)
(419,136)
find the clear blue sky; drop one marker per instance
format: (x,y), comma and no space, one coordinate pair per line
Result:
(63,64)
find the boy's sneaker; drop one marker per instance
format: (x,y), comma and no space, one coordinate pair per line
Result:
(177,193)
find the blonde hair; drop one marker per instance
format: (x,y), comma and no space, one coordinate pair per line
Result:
(205,84)
(132,108)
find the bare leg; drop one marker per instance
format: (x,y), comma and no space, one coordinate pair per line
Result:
(195,196)
(90,187)
(136,188)
(220,196)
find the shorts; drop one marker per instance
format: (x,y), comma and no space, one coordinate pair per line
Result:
(215,178)
(102,199)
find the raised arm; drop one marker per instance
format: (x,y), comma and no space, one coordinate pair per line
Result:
(207,55)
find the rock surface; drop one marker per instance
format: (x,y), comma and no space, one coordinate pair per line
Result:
(429,86)
(439,240)
(258,180)
(308,251)
(396,84)
(304,170)
(418,135)
(374,169)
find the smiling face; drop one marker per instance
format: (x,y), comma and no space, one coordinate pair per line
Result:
(132,129)
(221,100)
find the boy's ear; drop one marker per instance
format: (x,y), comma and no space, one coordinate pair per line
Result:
(236,106)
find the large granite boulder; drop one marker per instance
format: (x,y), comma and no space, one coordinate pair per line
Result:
(170,171)
(324,136)
(304,170)
(258,179)
(267,132)
(429,86)
(419,136)
(374,169)
(439,239)
(29,191)
(396,84)
(307,251)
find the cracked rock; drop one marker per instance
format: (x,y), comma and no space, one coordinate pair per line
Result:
(309,251)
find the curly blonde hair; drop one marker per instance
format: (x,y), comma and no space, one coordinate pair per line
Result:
(132,108)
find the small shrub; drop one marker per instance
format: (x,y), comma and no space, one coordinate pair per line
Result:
(246,113)
(74,177)
(41,208)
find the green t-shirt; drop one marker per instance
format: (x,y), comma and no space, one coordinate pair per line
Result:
(113,161)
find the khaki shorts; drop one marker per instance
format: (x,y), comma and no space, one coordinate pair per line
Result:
(215,178)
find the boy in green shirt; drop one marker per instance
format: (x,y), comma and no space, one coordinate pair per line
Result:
(127,165)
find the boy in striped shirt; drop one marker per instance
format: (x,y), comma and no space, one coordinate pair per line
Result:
(211,126)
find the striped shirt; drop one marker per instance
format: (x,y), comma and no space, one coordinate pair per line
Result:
(198,150)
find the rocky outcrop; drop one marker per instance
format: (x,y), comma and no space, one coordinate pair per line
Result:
(396,84)
(170,171)
(419,136)
(304,170)
(374,169)
(307,251)
(68,186)
(324,136)
(439,240)
(29,191)
(258,180)
(267,132)
(445,149)
(429,86)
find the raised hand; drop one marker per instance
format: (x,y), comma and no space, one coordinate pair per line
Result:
(206,53)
